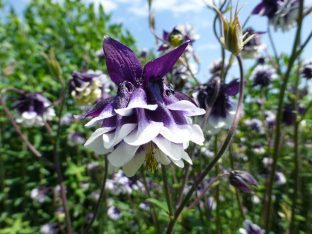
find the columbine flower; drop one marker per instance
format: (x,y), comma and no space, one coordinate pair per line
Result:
(146,121)
(232,31)
(224,109)
(145,205)
(216,67)
(92,166)
(84,88)
(32,109)
(250,228)
(306,70)
(241,179)
(48,229)
(84,184)
(288,117)
(281,13)
(290,142)
(253,47)
(39,194)
(308,144)
(262,76)
(95,195)
(255,124)
(67,119)
(114,213)
(267,161)
(258,149)
(60,213)
(280,178)
(75,138)
(88,217)
(180,75)
(270,118)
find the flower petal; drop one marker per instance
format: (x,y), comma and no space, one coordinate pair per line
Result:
(177,133)
(232,88)
(187,158)
(122,154)
(181,96)
(178,163)
(96,110)
(131,167)
(120,134)
(197,135)
(97,146)
(188,108)
(122,63)
(173,150)
(99,132)
(161,66)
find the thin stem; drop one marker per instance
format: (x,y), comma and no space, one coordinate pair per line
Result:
(244,25)
(29,145)
(97,207)
(148,195)
(279,119)
(206,189)
(273,46)
(165,180)
(208,112)
(218,224)
(220,153)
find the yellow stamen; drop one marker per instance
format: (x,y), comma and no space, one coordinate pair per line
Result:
(151,162)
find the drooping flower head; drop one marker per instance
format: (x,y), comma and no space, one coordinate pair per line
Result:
(288,117)
(282,14)
(252,48)
(33,109)
(262,75)
(216,67)
(48,229)
(114,213)
(242,180)
(224,108)
(250,228)
(255,124)
(306,70)
(84,88)
(146,121)
(39,194)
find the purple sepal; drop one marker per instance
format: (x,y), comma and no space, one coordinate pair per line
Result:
(122,63)
(181,96)
(302,110)
(241,179)
(161,66)
(165,35)
(232,87)
(96,110)
(257,9)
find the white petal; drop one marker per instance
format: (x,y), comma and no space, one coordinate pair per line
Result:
(29,115)
(197,135)
(187,107)
(173,150)
(111,168)
(177,133)
(97,146)
(120,134)
(145,134)
(160,156)
(99,132)
(122,154)
(131,167)
(130,109)
(216,122)
(187,158)
(179,163)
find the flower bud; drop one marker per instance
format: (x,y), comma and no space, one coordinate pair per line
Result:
(53,64)
(241,180)
(176,38)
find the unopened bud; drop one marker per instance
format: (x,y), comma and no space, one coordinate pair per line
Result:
(53,64)
(241,180)
(175,38)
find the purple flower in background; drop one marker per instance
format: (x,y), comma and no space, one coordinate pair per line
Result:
(60,213)
(281,13)
(146,121)
(216,67)
(48,229)
(224,109)
(33,109)
(270,118)
(258,148)
(88,217)
(145,205)
(308,144)
(309,160)
(262,76)
(39,194)
(84,88)
(114,213)
(75,138)
(255,124)
(306,70)
(280,178)
(252,48)
(288,117)
(250,228)
(242,180)
(67,119)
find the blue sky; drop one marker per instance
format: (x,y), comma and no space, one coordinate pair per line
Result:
(168,13)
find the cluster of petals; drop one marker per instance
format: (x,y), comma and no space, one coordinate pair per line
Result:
(146,121)
(262,75)
(33,109)
(250,228)
(252,48)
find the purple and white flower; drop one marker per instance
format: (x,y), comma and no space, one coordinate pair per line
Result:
(306,70)
(280,178)
(224,108)
(288,117)
(252,48)
(258,148)
(267,161)
(33,109)
(48,229)
(146,121)
(250,228)
(262,75)
(75,138)
(39,194)
(255,124)
(67,119)
(216,67)
(114,213)
(282,14)
(145,205)
(242,180)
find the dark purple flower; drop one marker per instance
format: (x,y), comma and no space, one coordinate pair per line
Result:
(258,148)
(114,213)
(255,124)
(309,160)
(262,76)
(288,117)
(31,108)
(224,109)
(146,121)
(281,13)
(242,180)
(250,228)
(280,178)
(306,70)
(252,48)
(67,119)
(216,67)
(261,61)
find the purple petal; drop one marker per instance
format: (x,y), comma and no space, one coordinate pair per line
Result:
(232,87)
(165,35)
(122,63)
(246,177)
(257,9)
(96,110)
(161,66)
(302,110)
(181,96)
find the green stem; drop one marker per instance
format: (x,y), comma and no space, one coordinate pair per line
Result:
(217,189)
(279,120)
(166,187)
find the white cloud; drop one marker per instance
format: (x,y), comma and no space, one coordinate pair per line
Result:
(208,46)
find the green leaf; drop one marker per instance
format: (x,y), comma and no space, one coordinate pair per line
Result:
(160,204)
